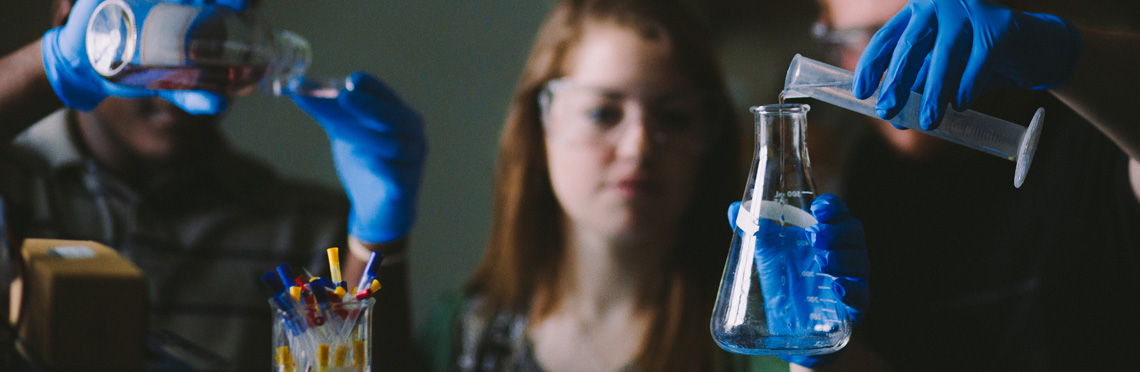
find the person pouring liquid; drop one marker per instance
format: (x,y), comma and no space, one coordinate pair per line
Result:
(150,173)
(1062,258)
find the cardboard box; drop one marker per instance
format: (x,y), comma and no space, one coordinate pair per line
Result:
(84,307)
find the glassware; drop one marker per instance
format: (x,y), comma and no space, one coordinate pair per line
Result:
(333,339)
(810,78)
(773,300)
(328,88)
(156,44)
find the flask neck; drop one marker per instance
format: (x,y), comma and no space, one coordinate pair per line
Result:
(290,59)
(782,155)
(782,133)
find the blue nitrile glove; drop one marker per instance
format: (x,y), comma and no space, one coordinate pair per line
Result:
(238,5)
(841,252)
(953,50)
(80,87)
(378,146)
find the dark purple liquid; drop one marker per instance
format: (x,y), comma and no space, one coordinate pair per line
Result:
(225,79)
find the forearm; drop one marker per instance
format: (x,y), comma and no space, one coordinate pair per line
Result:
(26,95)
(392,317)
(1104,85)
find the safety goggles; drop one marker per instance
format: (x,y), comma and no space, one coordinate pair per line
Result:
(581,115)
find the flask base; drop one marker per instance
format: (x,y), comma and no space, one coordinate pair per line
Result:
(783,345)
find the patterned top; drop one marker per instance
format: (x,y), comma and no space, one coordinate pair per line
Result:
(494,342)
(464,335)
(202,238)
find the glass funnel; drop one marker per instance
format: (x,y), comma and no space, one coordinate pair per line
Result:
(773,300)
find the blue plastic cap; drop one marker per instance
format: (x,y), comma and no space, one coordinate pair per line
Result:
(374,261)
(273,281)
(286,274)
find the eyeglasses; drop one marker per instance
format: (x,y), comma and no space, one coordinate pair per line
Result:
(591,116)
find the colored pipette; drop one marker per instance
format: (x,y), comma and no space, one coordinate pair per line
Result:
(334,264)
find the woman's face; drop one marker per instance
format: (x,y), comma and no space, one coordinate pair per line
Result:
(624,133)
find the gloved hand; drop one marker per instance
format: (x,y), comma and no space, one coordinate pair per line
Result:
(80,87)
(238,5)
(379,148)
(953,50)
(841,253)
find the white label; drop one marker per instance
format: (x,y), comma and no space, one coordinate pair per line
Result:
(748,220)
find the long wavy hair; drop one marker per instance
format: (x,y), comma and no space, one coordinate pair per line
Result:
(526,240)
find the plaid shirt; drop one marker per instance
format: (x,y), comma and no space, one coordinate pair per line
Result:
(203,238)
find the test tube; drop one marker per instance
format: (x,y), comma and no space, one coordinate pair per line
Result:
(808,78)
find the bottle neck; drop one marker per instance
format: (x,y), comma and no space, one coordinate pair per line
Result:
(291,58)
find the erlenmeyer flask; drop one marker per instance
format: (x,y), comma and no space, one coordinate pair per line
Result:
(773,300)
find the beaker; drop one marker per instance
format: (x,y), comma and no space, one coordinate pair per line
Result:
(338,339)
(155,44)
(773,300)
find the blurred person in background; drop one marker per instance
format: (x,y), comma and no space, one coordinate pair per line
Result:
(617,158)
(969,273)
(886,171)
(150,174)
